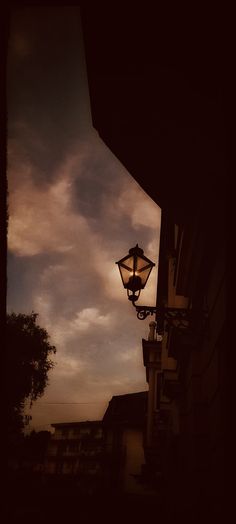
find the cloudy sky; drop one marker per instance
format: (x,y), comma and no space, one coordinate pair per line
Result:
(74,211)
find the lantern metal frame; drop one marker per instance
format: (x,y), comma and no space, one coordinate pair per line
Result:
(135,284)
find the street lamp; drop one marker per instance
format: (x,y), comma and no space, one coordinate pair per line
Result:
(135,269)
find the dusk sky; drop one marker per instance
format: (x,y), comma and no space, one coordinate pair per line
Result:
(74,211)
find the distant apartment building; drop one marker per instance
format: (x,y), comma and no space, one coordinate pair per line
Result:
(75,452)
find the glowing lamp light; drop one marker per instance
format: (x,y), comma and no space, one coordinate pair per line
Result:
(135,269)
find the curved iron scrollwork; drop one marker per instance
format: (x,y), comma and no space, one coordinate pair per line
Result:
(143,311)
(170,315)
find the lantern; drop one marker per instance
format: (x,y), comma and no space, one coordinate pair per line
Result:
(135,269)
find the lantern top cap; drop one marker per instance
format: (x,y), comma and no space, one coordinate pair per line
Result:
(136,250)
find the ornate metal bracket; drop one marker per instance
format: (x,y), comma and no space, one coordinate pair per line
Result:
(171,315)
(144,311)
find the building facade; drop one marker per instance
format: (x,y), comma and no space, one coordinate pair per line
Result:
(76,453)
(188,412)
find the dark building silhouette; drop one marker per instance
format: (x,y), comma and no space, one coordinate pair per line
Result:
(160,100)
(124,425)
(193,270)
(101,456)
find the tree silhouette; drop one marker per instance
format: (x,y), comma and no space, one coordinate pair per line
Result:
(27,365)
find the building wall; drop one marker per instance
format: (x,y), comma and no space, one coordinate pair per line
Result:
(125,461)
(173,299)
(194,445)
(204,404)
(166,361)
(134,459)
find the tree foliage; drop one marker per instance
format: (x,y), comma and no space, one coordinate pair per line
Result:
(28,363)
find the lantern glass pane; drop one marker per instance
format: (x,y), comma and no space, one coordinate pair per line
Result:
(144,275)
(125,275)
(129,262)
(135,269)
(141,263)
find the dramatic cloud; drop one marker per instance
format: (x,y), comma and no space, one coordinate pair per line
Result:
(74,211)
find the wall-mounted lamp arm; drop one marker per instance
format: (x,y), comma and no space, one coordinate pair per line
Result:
(144,311)
(170,313)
